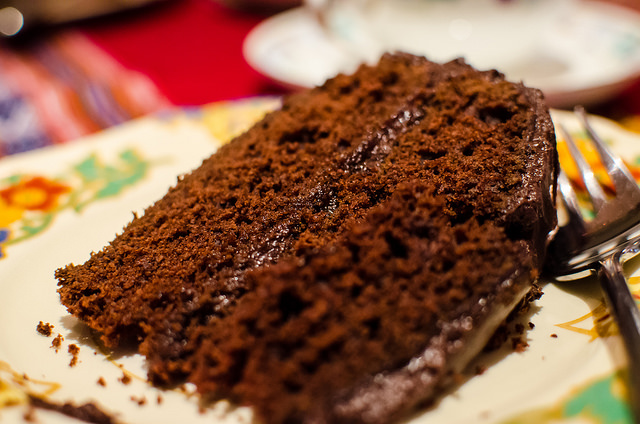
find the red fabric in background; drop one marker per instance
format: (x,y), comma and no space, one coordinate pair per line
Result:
(191,49)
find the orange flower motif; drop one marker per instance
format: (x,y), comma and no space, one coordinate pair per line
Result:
(8,214)
(36,193)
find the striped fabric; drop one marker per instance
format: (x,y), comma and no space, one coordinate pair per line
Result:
(65,87)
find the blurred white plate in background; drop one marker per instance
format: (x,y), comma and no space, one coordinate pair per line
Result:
(575,51)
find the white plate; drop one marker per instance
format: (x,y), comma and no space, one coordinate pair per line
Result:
(97,182)
(575,51)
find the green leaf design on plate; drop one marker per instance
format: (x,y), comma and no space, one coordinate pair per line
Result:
(104,181)
(600,402)
(32,226)
(86,182)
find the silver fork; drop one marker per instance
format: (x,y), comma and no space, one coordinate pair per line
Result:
(603,243)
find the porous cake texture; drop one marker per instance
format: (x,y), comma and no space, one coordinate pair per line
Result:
(347,256)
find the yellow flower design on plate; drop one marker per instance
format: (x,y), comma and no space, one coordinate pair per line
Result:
(33,194)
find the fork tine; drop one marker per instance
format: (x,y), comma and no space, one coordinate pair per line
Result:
(598,198)
(622,178)
(569,198)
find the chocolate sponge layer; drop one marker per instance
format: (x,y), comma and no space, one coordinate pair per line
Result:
(390,214)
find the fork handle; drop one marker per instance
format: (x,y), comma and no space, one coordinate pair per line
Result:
(627,315)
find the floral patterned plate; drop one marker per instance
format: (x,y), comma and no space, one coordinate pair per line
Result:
(59,204)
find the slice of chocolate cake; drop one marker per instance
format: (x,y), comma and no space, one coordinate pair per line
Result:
(347,256)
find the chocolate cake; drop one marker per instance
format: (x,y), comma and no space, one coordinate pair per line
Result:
(347,256)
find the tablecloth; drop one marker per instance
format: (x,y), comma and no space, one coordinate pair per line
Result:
(69,81)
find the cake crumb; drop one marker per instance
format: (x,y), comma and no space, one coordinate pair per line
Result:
(554,335)
(125,379)
(484,415)
(159,400)
(141,401)
(87,412)
(102,382)
(44,328)
(57,342)
(30,415)
(74,350)
(518,344)
(531,325)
